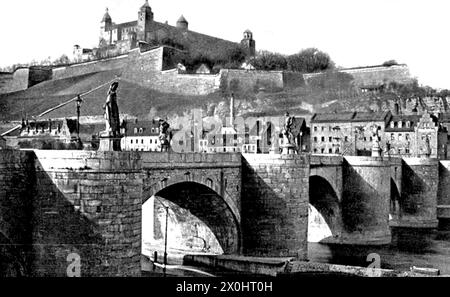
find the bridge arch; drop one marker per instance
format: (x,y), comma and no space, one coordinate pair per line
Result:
(323,197)
(205,198)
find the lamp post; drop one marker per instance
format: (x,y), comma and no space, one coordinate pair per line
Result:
(79,101)
(165,237)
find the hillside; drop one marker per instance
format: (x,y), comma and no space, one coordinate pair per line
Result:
(143,102)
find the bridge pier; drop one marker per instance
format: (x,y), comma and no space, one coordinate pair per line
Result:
(275,205)
(365,201)
(443,199)
(419,193)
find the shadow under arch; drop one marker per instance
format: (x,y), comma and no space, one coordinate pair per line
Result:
(394,205)
(325,200)
(209,207)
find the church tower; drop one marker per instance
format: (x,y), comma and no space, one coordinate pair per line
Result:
(248,43)
(105,28)
(145,19)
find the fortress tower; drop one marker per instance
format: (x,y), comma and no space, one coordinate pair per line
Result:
(182,23)
(105,28)
(248,43)
(145,19)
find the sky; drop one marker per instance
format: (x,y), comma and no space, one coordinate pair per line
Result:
(353,32)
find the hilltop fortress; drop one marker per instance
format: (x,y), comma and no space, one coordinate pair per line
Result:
(145,31)
(148,53)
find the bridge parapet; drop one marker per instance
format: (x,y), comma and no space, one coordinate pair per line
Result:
(326,160)
(189,160)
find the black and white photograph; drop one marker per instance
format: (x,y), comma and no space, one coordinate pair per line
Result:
(203,140)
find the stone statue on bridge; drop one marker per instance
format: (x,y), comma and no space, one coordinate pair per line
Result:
(112,111)
(165,135)
(288,146)
(376,138)
(287,129)
(110,138)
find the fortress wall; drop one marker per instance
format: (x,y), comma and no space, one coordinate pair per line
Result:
(190,84)
(145,69)
(293,79)
(90,67)
(38,75)
(250,79)
(18,82)
(6,80)
(374,75)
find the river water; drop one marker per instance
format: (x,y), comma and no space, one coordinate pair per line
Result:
(409,247)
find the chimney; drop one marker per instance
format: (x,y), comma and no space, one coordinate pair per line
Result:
(232,110)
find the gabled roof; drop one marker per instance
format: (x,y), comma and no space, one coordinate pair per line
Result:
(146,127)
(332,117)
(412,119)
(381,116)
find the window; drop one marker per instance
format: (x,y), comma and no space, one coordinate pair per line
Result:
(399,151)
(392,136)
(322,150)
(346,138)
(365,138)
(180,142)
(407,135)
(315,139)
(135,130)
(408,124)
(330,139)
(392,124)
(371,139)
(407,150)
(323,129)
(400,137)
(142,141)
(400,124)
(330,151)
(141,130)
(131,141)
(315,128)
(315,150)
(151,140)
(323,138)
(337,150)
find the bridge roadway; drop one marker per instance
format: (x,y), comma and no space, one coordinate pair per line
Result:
(54,203)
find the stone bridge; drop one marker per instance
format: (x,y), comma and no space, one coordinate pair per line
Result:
(55,203)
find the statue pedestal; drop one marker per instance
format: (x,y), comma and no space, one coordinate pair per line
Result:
(376,151)
(288,149)
(109,143)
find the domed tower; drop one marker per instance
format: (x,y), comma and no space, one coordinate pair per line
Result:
(105,28)
(145,19)
(182,23)
(248,43)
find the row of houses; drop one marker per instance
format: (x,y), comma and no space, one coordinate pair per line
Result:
(398,135)
(350,133)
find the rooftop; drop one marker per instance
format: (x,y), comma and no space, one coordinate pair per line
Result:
(371,116)
(332,117)
(142,128)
